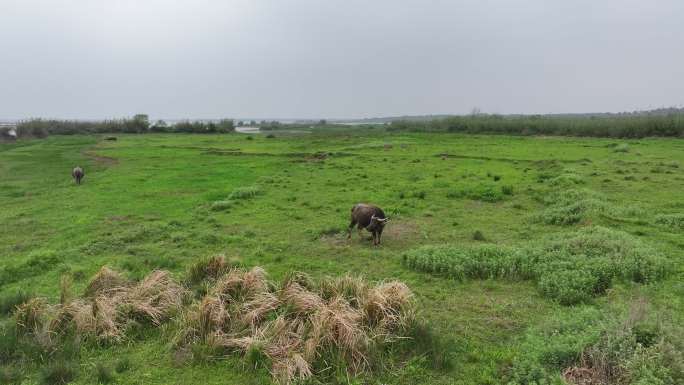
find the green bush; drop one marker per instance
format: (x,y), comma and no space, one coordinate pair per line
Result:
(569,286)
(556,344)
(673,221)
(623,147)
(221,205)
(103,374)
(483,262)
(611,345)
(9,301)
(478,235)
(567,207)
(570,269)
(422,340)
(566,179)
(58,373)
(9,342)
(419,194)
(485,193)
(244,193)
(10,376)
(123,364)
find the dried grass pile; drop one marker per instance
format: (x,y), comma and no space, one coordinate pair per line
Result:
(110,306)
(299,327)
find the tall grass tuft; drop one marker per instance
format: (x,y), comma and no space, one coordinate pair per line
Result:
(300,327)
(109,308)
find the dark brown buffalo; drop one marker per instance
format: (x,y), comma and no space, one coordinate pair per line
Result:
(78,174)
(368,217)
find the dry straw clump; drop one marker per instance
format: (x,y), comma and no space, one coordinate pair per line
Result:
(299,326)
(111,304)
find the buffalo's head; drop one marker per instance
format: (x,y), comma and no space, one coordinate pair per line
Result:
(377,223)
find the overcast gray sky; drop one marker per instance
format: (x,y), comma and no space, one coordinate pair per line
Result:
(337,59)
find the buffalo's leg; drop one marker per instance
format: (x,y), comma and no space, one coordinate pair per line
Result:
(351,226)
(379,235)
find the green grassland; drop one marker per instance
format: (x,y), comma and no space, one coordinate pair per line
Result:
(458,204)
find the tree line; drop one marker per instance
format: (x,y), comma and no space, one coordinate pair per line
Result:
(607,125)
(138,124)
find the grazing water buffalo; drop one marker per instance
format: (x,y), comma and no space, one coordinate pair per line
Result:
(370,217)
(78,174)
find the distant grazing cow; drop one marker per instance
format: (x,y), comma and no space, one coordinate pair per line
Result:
(368,217)
(78,174)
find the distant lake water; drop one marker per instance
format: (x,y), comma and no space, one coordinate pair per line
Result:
(247,129)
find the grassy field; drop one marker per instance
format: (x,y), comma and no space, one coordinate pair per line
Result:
(490,233)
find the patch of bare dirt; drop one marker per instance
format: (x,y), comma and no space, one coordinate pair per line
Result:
(401,230)
(338,240)
(394,231)
(100,159)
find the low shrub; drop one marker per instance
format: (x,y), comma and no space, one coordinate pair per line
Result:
(10,376)
(103,373)
(123,364)
(38,263)
(9,342)
(10,301)
(478,235)
(584,345)
(244,193)
(482,262)
(570,269)
(58,373)
(221,205)
(485,193)
(419,194)
(567,207)
(423,341)
(672,221)
(566,179)
(622,147)
(556,344)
